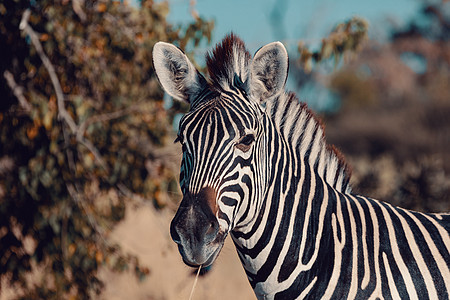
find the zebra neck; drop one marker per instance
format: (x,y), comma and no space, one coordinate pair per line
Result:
(282,246)
(304,180)
(304,133)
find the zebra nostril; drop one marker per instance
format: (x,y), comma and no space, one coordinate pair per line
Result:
(174,234)
(212,230)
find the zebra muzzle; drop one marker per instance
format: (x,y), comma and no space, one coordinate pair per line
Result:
(195,229)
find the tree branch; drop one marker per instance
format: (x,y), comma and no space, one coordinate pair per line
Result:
(50,69)
(17,90)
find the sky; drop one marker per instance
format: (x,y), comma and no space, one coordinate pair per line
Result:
(308,21)
(259,22)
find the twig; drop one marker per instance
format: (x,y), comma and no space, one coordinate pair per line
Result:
(103,118)
(77,6)
(64,244)
(194,12)
(191,296)
(138,199)
(74,194)
(17,90)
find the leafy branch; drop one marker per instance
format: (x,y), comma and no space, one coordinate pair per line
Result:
(347,37)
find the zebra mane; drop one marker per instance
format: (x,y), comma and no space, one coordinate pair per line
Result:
(293,118)
(228,58)
(306,132)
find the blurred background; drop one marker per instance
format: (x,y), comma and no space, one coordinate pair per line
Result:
(88,168)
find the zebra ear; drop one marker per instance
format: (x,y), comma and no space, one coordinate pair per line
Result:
(268,71)
(176,73)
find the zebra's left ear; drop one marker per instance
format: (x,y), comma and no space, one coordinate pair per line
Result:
(268,72)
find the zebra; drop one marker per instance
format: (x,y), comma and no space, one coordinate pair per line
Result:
(256,166)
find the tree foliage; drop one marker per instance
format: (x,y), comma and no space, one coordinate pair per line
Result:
(81,120)
(346,38)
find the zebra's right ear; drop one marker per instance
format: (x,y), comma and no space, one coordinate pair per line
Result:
(268,71)
(176,73)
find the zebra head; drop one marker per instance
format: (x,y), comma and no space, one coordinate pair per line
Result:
(224,164)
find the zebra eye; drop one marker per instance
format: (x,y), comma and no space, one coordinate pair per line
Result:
(245,142)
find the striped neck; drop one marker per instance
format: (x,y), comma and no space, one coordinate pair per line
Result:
(304,177)
(305,133)
(295,199)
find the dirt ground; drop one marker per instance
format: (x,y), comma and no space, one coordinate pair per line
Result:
(145,233)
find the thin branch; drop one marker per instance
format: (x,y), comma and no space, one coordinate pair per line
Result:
(135,197)
(77,6)
(193,10)
(94,151)
(75,195)
(51,70)
(69,153)
(104,117)
(17,90)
